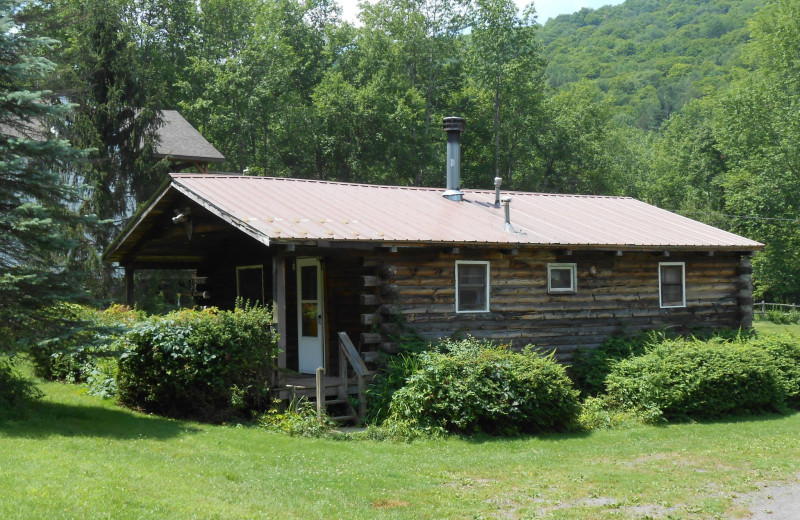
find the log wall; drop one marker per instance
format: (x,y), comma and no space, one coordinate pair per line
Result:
(615,294)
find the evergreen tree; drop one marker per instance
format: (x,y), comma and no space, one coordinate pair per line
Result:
(35,220)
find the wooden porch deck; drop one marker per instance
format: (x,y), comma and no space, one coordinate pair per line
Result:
(304,385)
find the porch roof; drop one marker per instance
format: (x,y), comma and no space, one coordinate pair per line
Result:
(281,210)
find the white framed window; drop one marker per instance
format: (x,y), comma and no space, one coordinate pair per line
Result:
(672,284)
(472,286)
(250,283)
(562,278)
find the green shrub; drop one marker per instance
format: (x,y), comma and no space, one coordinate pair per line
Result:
(785,351)
(602,413)
(299,419)
(591,367)
(691,378)
(208,365)
(475,386)
(780,317)
(393,376)
(73,356)
(15,392)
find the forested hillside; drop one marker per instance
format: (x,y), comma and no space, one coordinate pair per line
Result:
(692,105)
(650,56)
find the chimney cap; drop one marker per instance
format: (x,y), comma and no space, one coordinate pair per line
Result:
(454,124)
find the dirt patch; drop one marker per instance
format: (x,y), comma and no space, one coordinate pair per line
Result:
(386,503)
(773,501)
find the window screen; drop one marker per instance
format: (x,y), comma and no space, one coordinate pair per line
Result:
(561,277)
(472,286)
(672,286)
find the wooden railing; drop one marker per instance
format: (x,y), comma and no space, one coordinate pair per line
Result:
(349,356)
(761,307)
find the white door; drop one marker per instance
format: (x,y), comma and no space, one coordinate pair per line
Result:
(310,326)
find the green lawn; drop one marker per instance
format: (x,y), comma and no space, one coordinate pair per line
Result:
(768,326)
(80,457)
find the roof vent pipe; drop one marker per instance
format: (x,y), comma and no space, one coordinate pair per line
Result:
(508,227)
(454,126)
(497,182)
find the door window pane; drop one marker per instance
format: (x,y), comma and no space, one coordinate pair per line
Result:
(308,280)
(309,319)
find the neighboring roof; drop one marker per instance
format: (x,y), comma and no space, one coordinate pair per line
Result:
(179,140)
(293,210)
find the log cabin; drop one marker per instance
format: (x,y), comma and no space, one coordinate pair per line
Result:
(556,271)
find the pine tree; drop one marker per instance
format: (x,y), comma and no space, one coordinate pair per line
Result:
(36,222)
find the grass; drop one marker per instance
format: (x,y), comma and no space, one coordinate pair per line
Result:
(75,456)
(774,328)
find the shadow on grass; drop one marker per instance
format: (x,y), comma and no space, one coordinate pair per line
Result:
(44,419)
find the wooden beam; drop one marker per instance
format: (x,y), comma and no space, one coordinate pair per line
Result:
(130,299)
(279,304)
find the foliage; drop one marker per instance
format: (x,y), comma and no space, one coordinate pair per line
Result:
(393,376)
(299,419)
(785,351)
(691,378)
(651,57)
(602,413)
(475,386)
(36,219)
(210,365)
(590,367)
(74,355)
(780,317)
(15,392)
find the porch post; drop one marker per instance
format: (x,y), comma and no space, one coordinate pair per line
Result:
(130,300)
(279,304)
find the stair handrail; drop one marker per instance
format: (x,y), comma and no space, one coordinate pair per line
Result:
(349,355)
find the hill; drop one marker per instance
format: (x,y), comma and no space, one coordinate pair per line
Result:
(650,56)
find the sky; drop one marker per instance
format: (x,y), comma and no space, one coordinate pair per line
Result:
(544,8)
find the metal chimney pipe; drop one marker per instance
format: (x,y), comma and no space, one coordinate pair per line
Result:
(508,227)
(454,126)
(497,183)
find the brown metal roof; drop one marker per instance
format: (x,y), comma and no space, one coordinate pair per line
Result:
(279,209)
(179,140)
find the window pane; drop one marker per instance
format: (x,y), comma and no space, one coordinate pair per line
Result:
(672,286)
(472,274)
(561,278)
(308,280)
(671,295)
(309,317)
(671,274)
(251,285)
(472,287)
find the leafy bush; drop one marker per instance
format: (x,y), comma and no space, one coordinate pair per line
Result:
(299,419)
(394,375)
(15,392)
(692,378)
(602,413)
(73,356)
(472,385)
(209,365)
(780,317)
(591,367)
(785,351)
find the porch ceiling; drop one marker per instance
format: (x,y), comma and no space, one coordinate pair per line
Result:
(153,240)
